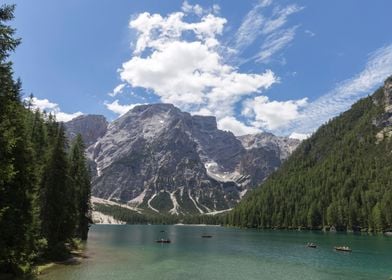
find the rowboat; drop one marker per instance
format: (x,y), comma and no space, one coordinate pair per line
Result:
(343,249)
(311,245)
(163,241)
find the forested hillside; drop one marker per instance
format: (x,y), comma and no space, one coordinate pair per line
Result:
(44,182)
(341,176)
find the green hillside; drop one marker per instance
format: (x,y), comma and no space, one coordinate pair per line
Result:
(341,176)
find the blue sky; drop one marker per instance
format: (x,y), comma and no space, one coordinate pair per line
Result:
(283,66)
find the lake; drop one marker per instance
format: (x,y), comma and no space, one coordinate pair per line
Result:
(130,252)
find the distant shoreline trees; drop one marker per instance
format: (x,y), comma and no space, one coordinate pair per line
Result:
(44,184)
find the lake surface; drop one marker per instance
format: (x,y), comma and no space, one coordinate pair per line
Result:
(130,252)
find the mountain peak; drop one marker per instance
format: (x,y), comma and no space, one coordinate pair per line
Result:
(154,108)
(159,158)
(91,127)
(88,116)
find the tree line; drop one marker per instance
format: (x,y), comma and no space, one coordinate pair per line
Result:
(148,217)
(340,177)
(44,181)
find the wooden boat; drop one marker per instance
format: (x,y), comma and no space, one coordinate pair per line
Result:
(311,245)
(163,241)
(343,248)
(206,236)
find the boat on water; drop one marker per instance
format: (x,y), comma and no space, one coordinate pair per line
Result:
(206,236)
(311,245)
(343,248)
(163,241)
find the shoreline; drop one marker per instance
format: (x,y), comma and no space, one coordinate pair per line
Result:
(196,225)
(76,257)
(386,234)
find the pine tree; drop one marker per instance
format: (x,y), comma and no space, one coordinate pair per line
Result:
(341,177)
(80,177)
(18,178)
(9,98)
(57,199)
(41,206)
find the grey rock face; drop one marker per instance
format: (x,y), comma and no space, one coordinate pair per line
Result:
(219,146)
(282,146)
(388,95)
(385,121)
(159,158)
(91,127)
(265,152)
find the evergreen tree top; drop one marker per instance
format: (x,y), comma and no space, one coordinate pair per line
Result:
(7,42)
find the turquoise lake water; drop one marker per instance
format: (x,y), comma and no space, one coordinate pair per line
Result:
(130,252)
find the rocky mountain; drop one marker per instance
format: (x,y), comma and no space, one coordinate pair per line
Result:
(159,158)
(265,152)
(91,127)
(384,122)
(340,177)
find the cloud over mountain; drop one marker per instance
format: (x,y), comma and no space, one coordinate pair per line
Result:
(182,59)
(53,108)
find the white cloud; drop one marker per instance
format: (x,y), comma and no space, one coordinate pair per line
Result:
(265,3)
(188,8)
(299,136)
(188,73)
(216,9)
(192,71)
(310,33)
(237,127)
(154,30)
(64,117)
(250,28)
(339,99)
(269,29)
(120,109)
(198,10)
(44,104)
(272,115)
(274,43)
(50,107)
(301,118)
(118,89)
(279,18)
